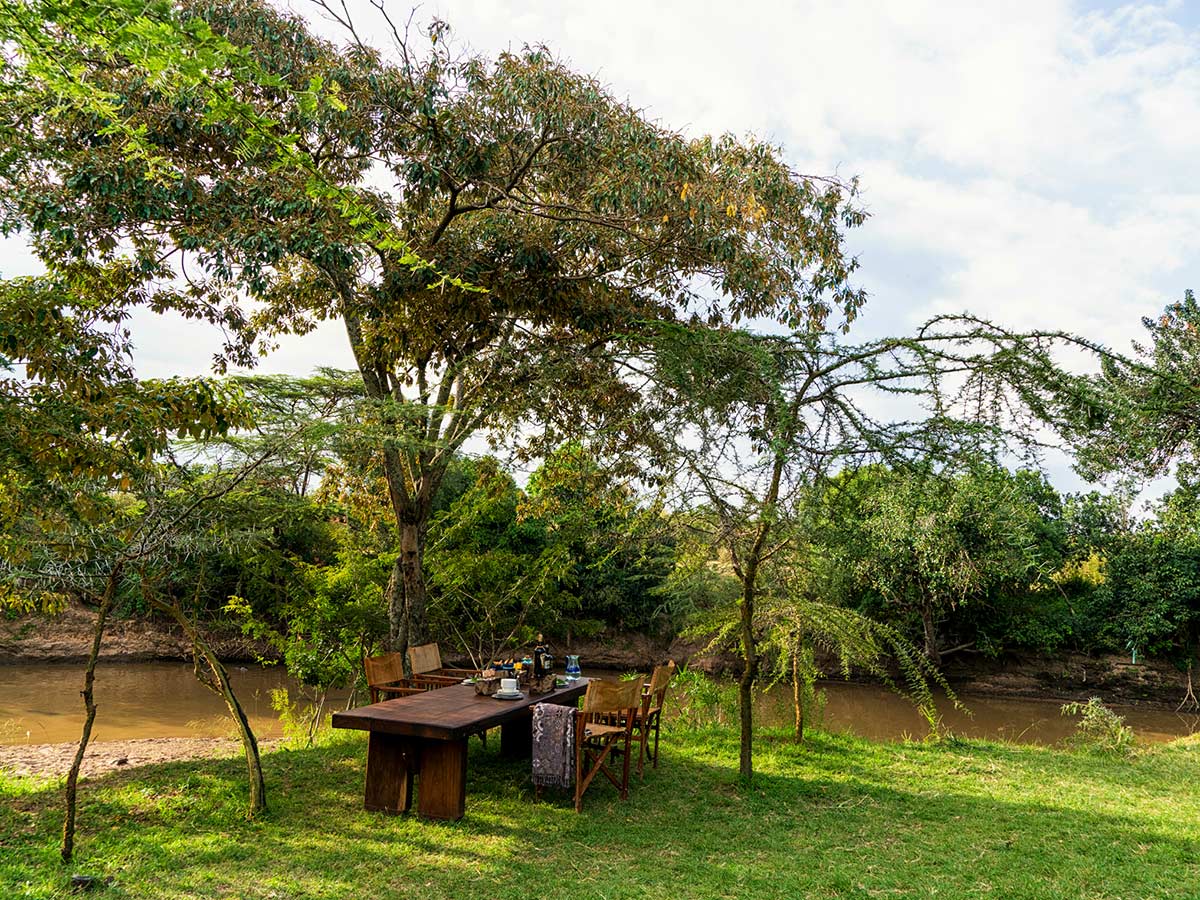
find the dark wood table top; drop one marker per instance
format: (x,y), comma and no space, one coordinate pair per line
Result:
(448,713)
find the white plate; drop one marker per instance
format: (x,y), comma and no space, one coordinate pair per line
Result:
(501,695)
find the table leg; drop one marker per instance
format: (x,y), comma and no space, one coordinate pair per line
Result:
(389,773)
(442,793)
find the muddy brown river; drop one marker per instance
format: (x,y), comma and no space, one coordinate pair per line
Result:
(40,703)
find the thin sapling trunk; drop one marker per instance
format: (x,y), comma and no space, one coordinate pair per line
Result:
(218,681)
(67,849)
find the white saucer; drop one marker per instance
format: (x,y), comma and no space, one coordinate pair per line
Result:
(516,695)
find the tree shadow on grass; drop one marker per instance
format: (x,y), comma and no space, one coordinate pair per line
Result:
(824,821)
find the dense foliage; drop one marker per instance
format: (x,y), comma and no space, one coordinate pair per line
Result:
(971,559)
(656,322)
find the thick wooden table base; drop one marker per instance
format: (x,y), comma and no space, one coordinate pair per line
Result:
(423,739)
(390,770)
(393,763)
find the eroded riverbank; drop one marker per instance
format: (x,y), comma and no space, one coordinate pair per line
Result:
(1116,679)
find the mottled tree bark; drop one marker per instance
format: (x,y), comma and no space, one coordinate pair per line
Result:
(217,681)
(797,694)
(67,849)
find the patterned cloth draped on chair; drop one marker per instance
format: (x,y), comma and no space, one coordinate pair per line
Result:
(554,746)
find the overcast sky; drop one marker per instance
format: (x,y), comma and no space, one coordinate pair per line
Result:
(1037,163)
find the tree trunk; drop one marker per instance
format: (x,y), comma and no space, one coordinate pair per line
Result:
(411,481)
(408,623)
(254,773)
(748,575)
(89,680)
(931,647)
(219,684)
(797,694)
(412,571)
(749,673)
(397,618)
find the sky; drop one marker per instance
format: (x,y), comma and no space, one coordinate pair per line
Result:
(1036,163)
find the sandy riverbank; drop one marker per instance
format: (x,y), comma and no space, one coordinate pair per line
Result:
(108,756)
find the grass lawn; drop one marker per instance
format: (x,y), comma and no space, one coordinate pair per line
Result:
(840,817)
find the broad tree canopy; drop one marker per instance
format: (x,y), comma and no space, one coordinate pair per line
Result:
(572,216)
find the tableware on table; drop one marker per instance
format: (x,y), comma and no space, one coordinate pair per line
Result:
(573,670)
(509,686)
(487,687)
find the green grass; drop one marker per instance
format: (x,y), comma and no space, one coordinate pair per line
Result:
(840,817)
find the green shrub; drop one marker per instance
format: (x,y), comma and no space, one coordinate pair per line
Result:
(696,701)
(1100,730)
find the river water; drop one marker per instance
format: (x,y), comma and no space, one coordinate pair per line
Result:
(40,703)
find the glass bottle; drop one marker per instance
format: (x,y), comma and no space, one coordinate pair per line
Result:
(543,662)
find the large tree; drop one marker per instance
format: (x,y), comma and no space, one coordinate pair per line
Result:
(573,218)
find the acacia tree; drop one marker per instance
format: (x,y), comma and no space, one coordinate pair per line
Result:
(753,421)
(574,216)
(1151,420)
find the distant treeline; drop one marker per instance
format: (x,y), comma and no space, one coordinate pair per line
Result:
(978,559)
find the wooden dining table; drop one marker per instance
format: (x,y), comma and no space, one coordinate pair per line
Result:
(422,738)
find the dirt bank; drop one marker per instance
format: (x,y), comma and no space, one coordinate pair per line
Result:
(1070,676)
(67,637)
(109,756)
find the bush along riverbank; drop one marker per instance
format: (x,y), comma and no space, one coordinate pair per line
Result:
(834,817)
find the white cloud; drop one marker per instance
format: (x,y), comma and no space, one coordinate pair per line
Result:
(1034,162)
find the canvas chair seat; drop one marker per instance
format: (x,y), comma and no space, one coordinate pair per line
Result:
(425,660)
(385,677)
(596,728)
(603,729)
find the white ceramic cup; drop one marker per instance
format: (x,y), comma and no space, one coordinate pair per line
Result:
(508,685)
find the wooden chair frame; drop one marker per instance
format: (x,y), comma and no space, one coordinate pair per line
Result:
(425,660)
(385,677)
(603,727)
(649,715)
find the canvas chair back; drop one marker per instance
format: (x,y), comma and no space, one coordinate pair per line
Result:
(612,696)
(384,669)
(661,678)
(425,658)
